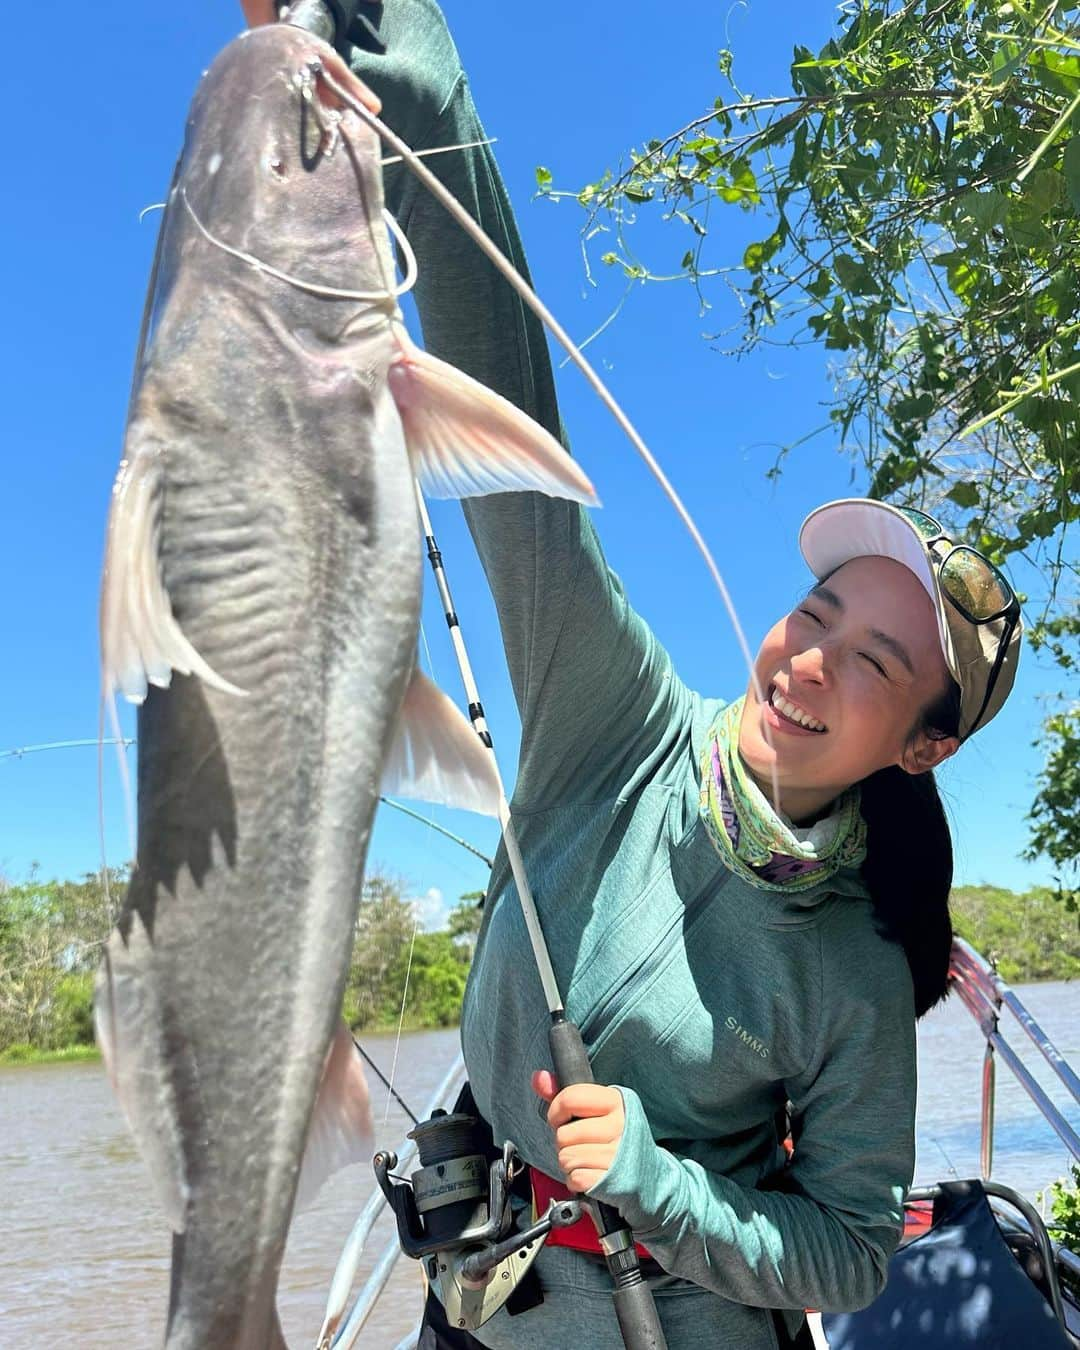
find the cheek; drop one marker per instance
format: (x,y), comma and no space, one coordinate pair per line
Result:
(772,651)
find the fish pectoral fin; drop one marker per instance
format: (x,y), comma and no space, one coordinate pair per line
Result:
(436,755)
(466,441)
(141,642)
(130,1034)
(341,1131)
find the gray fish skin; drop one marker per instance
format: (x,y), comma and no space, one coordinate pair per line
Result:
(288,537)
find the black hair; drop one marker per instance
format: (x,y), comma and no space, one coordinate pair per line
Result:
(909,859)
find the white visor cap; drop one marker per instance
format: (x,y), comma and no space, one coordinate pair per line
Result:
(858,527)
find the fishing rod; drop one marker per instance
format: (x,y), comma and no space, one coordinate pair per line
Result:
(18,751)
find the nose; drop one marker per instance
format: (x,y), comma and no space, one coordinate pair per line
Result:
(808,666)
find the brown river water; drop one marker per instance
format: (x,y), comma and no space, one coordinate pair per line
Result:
(84,1255)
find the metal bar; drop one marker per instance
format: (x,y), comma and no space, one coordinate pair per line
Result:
(986,1116)
(968,959)
(1042,1241)
(369,1295)
(1051,1114)
(349,1260)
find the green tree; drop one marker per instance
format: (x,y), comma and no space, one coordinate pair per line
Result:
(51,935)
(920,192)
(465,919)
(384,928)
(436,981)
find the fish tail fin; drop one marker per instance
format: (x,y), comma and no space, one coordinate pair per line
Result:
(141,642)
(466,441)
(436,755)
(341,1131)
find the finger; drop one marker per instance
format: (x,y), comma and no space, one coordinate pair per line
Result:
(583,1179)
(582,1099)
(544,1084)
(589,1130)
(258,12)
(371,101)
(593,1157)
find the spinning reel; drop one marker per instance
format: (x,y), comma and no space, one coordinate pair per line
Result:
(455,1216)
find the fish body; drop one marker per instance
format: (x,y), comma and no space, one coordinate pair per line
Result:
(263,542)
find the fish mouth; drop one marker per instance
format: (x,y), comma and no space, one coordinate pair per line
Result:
(785,713)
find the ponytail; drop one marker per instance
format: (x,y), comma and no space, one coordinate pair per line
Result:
(909,861)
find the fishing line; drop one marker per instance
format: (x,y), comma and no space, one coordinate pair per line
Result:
(525,291)
(313,287)
(401,1019)
(408,968)
(435,150)
(385,1082)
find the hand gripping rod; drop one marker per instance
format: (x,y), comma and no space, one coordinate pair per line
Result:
(634,1305)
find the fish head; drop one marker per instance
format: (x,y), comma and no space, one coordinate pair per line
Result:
(279,171)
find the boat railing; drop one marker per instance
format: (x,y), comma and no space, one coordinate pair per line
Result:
(985,994)
(340,1334)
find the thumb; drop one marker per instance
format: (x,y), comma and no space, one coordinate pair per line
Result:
(544,1084)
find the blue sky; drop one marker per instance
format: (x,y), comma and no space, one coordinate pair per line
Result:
(566,85)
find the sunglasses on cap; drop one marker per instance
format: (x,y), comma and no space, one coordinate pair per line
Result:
(974,587)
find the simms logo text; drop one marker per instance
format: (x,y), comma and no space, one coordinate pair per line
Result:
(749,1040)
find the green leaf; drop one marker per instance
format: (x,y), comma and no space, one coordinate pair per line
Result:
(1043,190)
(757,255)
(1006,62)
(1070,166)
(964,494)
(637,194)
(543,178)
(987,209)
(854,275)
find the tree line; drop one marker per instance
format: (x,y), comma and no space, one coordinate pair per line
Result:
(52,933)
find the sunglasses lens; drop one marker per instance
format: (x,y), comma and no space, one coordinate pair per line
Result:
(975,584)
(926,525)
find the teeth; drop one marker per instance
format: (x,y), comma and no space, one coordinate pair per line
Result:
(795,714)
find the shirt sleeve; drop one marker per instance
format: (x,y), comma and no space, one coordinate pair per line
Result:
(824,1238)
(594,688)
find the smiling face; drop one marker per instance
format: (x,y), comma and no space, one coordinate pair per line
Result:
(846,677)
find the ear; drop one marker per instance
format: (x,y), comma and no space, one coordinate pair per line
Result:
(926,752)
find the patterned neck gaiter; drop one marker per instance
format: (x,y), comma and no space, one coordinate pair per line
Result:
(752,839)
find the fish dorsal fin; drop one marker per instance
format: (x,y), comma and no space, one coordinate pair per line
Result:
(341,1131)
(129,1028)
(141,642)
(466,441)
(437,756)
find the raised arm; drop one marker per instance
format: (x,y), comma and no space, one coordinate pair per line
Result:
(593,686)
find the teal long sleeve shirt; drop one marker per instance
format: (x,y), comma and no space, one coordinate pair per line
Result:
(710,1002)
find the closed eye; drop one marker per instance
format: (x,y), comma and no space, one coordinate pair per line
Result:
(811,615)
(876,664)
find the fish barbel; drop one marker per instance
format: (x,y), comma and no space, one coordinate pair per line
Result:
(263,544)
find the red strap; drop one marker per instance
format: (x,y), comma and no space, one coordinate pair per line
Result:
(581,1236)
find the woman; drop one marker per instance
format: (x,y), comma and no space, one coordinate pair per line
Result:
(736,970)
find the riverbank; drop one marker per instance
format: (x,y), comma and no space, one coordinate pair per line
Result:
(30,1054)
